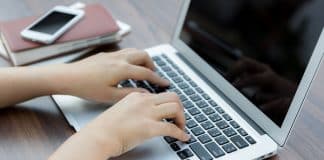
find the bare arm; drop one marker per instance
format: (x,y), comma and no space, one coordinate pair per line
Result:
(22,83)
(96,78)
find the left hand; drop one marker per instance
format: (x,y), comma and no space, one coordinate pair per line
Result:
(96,78)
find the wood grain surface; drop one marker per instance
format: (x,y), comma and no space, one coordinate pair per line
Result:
(33,130)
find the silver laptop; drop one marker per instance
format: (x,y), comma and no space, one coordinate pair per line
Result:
(241,77)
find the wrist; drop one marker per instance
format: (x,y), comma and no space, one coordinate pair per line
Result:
(108,144)
(57,78)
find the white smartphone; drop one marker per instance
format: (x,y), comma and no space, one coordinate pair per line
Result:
(52,25)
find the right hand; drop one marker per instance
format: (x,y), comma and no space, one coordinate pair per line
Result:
(138,117)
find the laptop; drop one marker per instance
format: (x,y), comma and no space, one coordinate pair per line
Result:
(242,71)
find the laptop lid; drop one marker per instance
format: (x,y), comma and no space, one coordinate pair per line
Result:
(258,53)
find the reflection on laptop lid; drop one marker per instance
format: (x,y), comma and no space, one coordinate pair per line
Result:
(261,48)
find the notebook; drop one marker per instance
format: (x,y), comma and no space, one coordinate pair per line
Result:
(83,35)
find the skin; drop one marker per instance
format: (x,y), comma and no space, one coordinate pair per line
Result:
(96,78)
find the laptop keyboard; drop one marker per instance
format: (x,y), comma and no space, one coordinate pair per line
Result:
(213,132)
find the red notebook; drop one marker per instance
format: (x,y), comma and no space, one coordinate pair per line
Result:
(96,22)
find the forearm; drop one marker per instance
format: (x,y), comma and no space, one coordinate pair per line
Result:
(23,83)
(92,142)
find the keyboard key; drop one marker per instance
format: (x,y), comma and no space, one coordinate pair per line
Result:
(208,111)
(171,86)
(199,90)
(175,146)
(159,73)
(220,110)
(212,103)
(200,152)
(188,104)
(187,78)
(165,57)
(229,132)
(175,66)
(169,139)
(189,91)
(250,140)
(192,83)
(239,142)
(227,117)
(180,71)
(197,131)
(201,104)
(242,132)
(229,148)
(184,154)
(183,98)
(206,97)
(193,111)
(183,85)
(200,118)
(177,79)
(195,98)
(234,124)
(207,125)
(204,138)
(221,140)
(214,149)
(156,58)
(222,124)
(166,68)
(215,117)
(187,116)
(171,74)
(160,63)
(214,132)
(191,124)
(191,140)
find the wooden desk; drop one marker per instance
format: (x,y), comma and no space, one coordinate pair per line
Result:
(33,130)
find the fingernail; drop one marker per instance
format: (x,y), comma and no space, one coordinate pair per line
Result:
(166,82)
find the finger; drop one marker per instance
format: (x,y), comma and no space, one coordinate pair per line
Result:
(119,93)
(171,130)
(139,57)
(166,97)
(171,111)
(142,73)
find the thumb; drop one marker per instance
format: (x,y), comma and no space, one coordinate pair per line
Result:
(119,93)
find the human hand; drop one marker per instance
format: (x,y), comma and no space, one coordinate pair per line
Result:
(96,78)
(139,117)
(128,123)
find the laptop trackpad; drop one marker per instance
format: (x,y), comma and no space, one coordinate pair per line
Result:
(159,151)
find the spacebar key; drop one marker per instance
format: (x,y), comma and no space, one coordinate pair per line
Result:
(200,152)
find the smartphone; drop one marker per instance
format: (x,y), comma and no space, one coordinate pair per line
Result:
(52,25)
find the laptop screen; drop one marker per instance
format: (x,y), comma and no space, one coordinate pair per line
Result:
(261,47)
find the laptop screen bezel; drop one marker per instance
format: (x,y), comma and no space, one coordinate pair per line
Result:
(278,134)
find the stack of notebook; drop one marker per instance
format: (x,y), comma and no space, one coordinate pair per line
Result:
(98,27)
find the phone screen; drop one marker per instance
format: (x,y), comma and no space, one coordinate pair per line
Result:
(52,22)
